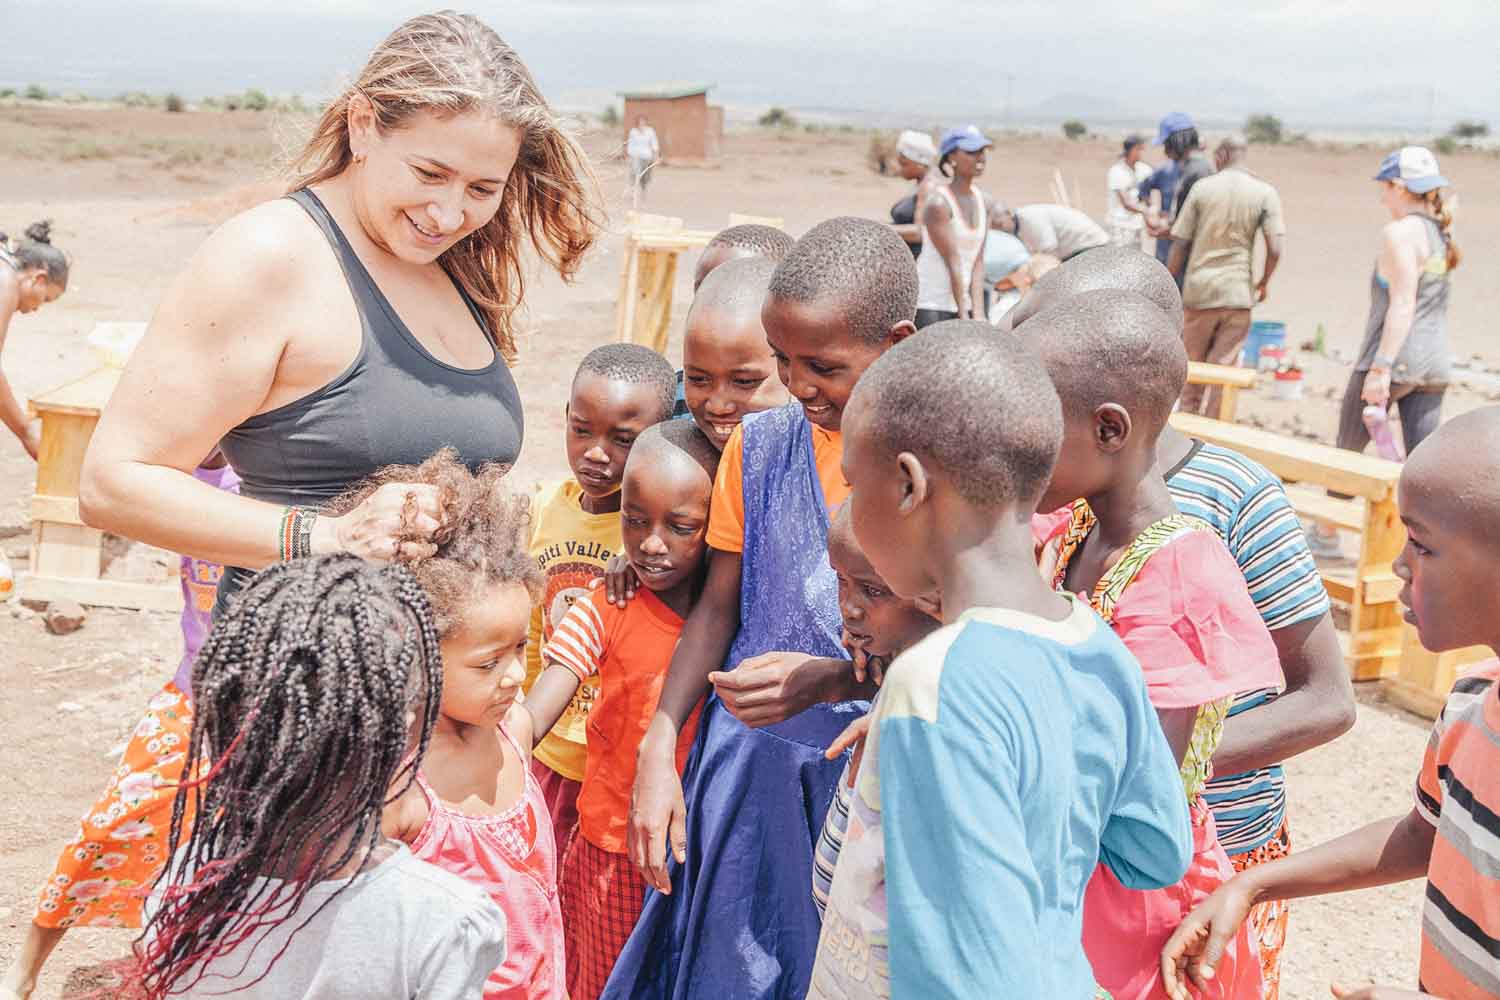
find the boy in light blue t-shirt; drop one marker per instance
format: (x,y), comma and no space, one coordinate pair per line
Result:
(1015,747)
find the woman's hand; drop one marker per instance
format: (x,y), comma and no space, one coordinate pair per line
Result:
(620,581)
(1196,946)
(31,439)
(657,814)
(773,687)
(398,519)
(1377,390)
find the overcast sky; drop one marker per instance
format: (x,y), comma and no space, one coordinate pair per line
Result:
(1317,63)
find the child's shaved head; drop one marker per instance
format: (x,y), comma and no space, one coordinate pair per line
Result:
(677,442)
(739,242)
(633,364)
(974,404)
(859,265)
(1119,268)
(1458,467)
(735,288)
(1111,346)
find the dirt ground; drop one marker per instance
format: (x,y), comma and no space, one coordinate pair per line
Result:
(134,192)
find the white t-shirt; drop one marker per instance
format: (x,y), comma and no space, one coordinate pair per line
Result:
(1123,178)
(642,144)
(402,929)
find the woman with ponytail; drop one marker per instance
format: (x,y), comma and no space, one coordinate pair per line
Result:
(366,319)
(33,272)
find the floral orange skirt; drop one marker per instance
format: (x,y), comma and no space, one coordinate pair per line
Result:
(1268,921)
(103,875)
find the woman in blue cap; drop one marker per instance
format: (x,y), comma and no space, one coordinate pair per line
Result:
(1405,358)
(950,268)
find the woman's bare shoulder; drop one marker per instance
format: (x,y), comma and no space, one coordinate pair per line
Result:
(271,237)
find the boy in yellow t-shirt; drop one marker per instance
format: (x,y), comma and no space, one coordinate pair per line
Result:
(618,391)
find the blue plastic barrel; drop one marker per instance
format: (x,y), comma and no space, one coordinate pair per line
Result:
(1267,333)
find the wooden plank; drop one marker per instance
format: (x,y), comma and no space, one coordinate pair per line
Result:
(1374,653)
(1339,584)
(1377,626)
(62,510)
(1319,506)
(67,551)
(1424,678)
(685,240)
(1229,402)
(653,317)
(740,219)
(59,461)
(1381,588)
(85,396)
(1297,460)
(1203,373)
(164,596)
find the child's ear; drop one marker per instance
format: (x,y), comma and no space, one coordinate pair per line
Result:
(1112,427)
(914,483)
(900,332)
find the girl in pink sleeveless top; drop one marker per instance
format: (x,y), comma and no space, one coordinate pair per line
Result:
(475,810)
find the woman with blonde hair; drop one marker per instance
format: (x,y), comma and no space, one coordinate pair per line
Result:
(364,320)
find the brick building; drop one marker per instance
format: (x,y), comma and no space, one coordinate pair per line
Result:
(688,127)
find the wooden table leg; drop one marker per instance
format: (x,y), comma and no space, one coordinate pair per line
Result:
(1375,626)
(1228,402)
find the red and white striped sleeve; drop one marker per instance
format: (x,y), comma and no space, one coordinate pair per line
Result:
(578,640)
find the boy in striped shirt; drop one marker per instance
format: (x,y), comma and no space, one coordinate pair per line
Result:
(1450,503)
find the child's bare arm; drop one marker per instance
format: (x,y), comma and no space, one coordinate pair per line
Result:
(1317,708)
(1177,724)
(403,816)
(549,697)
(1386,851)
(773,687)
(657,809)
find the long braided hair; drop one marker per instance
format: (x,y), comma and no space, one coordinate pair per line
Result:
(302,693)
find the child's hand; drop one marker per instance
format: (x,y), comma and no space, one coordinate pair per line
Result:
(1195,948)
(773,687)
(852,734)
(620,581)
(657,813)
(1374,993)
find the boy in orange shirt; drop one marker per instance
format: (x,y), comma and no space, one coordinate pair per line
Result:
(618,391)
(667,486)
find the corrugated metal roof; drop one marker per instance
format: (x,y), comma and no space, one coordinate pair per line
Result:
(665,91)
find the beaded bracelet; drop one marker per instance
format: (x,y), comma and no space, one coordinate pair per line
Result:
(296,532)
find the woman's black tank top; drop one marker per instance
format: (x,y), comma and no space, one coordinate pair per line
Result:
(396,404)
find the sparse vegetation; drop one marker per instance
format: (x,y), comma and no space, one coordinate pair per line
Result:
(6,92)
(1264,129)
(1469,130)
(1445,144)
(778,117)
(881,153)
(173,103)
(36,92)
(256,100)
(609,116)
(1074,129)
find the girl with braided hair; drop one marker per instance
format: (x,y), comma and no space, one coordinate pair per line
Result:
(316,695)
(474,807)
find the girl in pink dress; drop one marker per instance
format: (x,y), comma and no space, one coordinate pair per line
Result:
(475,809)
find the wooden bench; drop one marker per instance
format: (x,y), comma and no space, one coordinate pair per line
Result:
(1371,589)
(1228,380)
(66,554)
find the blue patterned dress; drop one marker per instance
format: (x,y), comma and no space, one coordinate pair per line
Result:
(740,923)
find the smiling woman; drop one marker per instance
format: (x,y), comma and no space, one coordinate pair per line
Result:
(362,321)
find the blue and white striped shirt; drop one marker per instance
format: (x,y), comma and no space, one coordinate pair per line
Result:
(1248,507)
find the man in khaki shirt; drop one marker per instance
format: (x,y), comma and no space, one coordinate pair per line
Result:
(1214,238)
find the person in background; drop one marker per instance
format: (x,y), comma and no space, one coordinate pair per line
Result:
(643,150)
(1178,138)
(34,272)
(1405,358)
(916,160)
(1056,230)
(1006,276)
(1125,214)
(1213,250)
(950,268)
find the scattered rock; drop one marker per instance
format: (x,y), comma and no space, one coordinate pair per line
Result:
(21,612)
(65,617)
(69,706)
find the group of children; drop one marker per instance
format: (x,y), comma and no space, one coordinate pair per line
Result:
(799,695)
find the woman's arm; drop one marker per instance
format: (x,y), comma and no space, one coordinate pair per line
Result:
(1317,707)
(1400,268)
(657,809)
(12,414)
(976,280)
(207,363)
(939,222)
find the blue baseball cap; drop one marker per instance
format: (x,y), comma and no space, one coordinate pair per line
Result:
(1174,122)
(966,137)
(1414,167)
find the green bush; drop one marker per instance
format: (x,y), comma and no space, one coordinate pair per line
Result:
(1445,144)
(7,92)
(256,100)
(778,117)
(173,103)
(36,92)
(1469,130)
(1264,128)
(233,102)
(609,116)
(1074,129)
